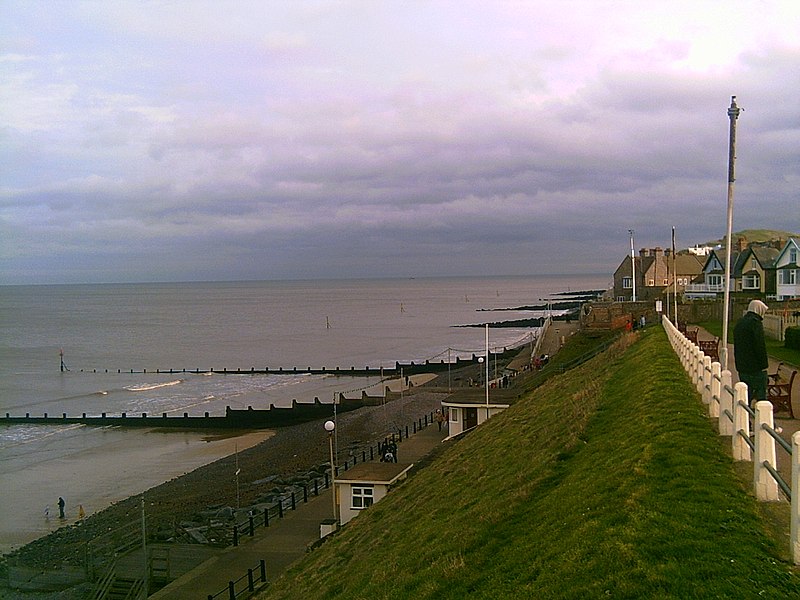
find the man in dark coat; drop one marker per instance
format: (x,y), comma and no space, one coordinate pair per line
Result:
(750,351)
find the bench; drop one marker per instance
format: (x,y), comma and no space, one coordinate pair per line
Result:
(779,389)
(691,335)
(710,348)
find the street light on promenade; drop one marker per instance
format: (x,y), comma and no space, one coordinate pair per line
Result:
(733,114)
(330,426)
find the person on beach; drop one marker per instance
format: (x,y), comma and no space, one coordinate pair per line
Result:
(750,351)
(47,513)
(61,505)
(439,418)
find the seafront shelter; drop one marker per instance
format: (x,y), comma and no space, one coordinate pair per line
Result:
(364,484)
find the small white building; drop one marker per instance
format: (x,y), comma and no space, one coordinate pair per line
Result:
(468,410)
(364,484)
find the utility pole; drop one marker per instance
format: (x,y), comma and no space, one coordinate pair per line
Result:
(633,268)
(733,114)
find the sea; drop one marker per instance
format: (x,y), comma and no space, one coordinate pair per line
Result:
(99,333)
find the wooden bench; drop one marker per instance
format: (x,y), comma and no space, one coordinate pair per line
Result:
(779,389)
(691,335)
(710,348)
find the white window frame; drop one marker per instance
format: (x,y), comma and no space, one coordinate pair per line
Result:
(751,282)
(793,256)
(362,496)
(453,415)
(714,280)
(627,283)
(788,276)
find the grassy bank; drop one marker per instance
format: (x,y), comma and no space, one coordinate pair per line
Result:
(607,481)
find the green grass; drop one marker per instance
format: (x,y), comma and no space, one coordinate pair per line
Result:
(775,348)
(607,481)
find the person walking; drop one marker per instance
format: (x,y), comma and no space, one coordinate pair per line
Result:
(750,351)
(61,505)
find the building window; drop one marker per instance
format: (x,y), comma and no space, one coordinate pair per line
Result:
(454,415)
(651,282)
(363,497)
(627,283)
(787,276)
(793,256)
(621,298)
(751,282)
(715,280)
(666,281)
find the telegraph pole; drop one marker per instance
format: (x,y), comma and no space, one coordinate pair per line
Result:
(733,114)
(633,268)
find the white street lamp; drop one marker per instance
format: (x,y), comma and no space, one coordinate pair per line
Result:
(329,427)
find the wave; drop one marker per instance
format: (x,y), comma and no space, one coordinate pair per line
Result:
(145,387)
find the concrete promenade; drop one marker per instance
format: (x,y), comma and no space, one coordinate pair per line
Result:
(284,541)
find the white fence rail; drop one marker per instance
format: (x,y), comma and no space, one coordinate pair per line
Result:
(728,404)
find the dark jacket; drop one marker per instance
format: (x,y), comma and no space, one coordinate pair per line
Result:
(749,349)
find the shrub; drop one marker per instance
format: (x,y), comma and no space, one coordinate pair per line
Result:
(792,338)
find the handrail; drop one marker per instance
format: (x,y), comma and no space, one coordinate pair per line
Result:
(230,589)
(729,404)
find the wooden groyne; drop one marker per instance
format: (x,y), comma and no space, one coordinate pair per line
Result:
(411,368)
(249,418)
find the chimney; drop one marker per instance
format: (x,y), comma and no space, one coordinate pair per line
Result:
(741,244)
(658,251)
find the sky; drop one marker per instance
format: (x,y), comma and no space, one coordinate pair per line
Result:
(202,140)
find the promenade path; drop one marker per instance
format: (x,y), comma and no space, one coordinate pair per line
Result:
(284,541)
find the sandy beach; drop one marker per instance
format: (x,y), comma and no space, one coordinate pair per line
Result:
(97,467)
(282,452)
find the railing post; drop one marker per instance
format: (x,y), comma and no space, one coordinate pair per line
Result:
(697,359)
(766,486)
(263,565)
(726,405)
(252,525)
(741,423)
(706,379)
(235,535)
(266,517)
(231,591)
(250,583)
(794,536)
(716,380)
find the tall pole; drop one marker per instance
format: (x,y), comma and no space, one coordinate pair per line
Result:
(144,549)
(674,281)
(330,426)
(633,267)
(487,370)
(733,114)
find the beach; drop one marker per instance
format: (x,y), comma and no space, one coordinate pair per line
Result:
(284,452)
(93,468)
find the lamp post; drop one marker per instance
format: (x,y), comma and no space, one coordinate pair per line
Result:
(330,426)
(733,114)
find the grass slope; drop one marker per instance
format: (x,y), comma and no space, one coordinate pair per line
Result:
(608,481)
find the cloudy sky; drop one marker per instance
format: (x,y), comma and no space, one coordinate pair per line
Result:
(200,140)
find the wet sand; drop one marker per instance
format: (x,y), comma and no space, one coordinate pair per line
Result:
(97,467)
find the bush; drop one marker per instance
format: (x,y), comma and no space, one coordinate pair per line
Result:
(792,338)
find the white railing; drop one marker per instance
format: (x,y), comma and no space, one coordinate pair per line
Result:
(704,287)
(728,404)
